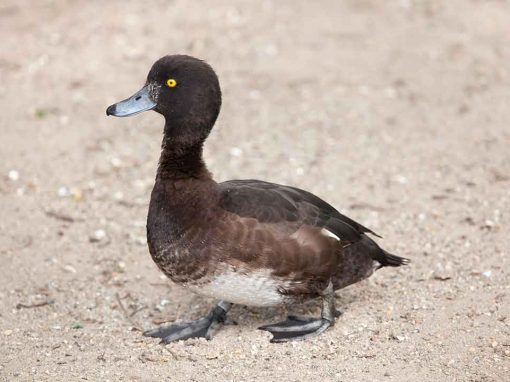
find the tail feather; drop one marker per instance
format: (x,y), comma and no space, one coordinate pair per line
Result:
(386,259)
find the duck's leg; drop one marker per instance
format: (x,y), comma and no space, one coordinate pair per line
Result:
(301,328)
(204,327)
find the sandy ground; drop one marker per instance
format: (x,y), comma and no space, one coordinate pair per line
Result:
(396,112)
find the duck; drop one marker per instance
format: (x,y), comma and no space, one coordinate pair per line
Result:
(246,242)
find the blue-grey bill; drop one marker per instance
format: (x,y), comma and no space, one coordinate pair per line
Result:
(137,103)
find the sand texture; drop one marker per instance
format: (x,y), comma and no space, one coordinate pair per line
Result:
(396,112)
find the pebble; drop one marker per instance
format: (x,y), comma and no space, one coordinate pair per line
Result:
(98,235)
(489,223)
(13,175)
(63,192)
(236,152)
(115,162)
(401,179)
(254,94)
(487,274)
(70,269)
(7,332)
(77,194)
(118,195)
(142,240)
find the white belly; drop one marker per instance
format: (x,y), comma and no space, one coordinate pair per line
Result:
(253,288)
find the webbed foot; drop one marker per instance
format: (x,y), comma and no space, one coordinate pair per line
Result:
(300,328)
(204,327)
(296,328)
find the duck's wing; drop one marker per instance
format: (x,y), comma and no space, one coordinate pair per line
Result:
(274,203)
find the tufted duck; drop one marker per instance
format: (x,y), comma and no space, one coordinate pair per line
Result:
(243,242)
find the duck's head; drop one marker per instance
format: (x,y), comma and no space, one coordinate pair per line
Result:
(184,89)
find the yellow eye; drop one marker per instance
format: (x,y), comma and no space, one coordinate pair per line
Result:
(171,83)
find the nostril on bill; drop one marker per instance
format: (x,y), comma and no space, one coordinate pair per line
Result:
(138,98)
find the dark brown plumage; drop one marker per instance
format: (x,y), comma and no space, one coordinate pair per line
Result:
(242,241)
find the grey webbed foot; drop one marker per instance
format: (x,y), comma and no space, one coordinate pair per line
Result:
(300,328)
(204,327)
(296,328)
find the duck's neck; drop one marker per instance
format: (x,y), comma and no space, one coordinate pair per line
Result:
(181,157)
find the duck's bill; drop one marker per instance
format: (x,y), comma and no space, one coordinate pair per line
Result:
(137,103)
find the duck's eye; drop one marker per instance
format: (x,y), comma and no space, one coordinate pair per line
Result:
(171,83)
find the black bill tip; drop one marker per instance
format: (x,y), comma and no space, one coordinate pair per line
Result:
(111,109)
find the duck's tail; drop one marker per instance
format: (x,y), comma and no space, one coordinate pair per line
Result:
(386,259)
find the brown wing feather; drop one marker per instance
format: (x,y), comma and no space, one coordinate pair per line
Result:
(269,202)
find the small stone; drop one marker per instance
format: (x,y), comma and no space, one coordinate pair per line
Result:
(118,195)
(63,192)
(494,344)
(77,194)
(115,162)
(164,302)
(98,235)
(487,273)
(401,179)
(7,332)
(141,240)
(472,349)
(397,337)
(254,94)
(441,277)
(70,269)
(236,152)
(13,175)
